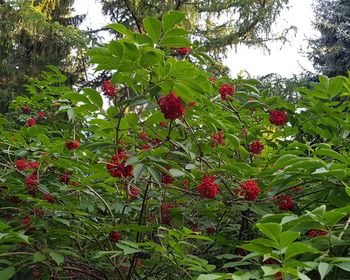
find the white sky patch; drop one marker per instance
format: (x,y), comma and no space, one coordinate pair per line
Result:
(285,60)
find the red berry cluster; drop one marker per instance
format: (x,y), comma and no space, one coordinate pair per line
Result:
(278,117)
(22,164)
(49,198)
(211,230)
(284,202)
(116,166)
(27,221)
(41,114)
(163,124)
(226,90)
(165,212)
(72,145)
(250,190)
(317,232)
(171,106)
(183,51)
(32,183)
(115,236)
(256,147)
(208,188)
(26,109)
(217,139)
(109,89)
(166,179)
(270,261)
(38,212)
(149,142)
(65,177)
(31,122)
(133,192)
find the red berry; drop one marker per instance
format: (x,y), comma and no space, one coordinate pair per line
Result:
(36,274)
(33,164)
(72,145)
(21,164)
(183,51)
(250,189)
(138,263)
(41,114)
(49,198)
(285,202)
(27,221)
(31,122)
(74,183)
(109,89)
(278,275)
(32,180)
(278,117)
(217,139)
(26,109)
(65,177)
(143,136)
(165,212)
(116,166)
(163,124)
(256,147)
(115,236)
(211,230)
(134,192)
(316,232)
(192,104)
(38,212)
(208,188)
(171,106)
(226,90)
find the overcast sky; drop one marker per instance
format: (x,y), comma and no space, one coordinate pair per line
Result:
(285,60)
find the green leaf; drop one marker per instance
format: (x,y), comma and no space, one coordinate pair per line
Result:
(331,154)
(7,273)
(155,174)
(272,230)
(150,59)
(324,269)
(128,247)
(344,266)
(175,42)
(137,171)
(288,237)
(153,28)
(298,248)
(100,254)
(234,140)
(170,19)
(112,112)
(120,28)
(176,172)
(334,216)
(39,257)
(94,97)
(58,258)
(212,277)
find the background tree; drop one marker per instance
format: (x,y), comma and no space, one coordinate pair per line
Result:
(35,34)
(330,52)
(217,23)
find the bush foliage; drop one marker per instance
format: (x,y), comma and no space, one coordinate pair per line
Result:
(169,173)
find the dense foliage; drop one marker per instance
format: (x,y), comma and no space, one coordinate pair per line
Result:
(34,34)
(330,51)
(166,172)
(217,24)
